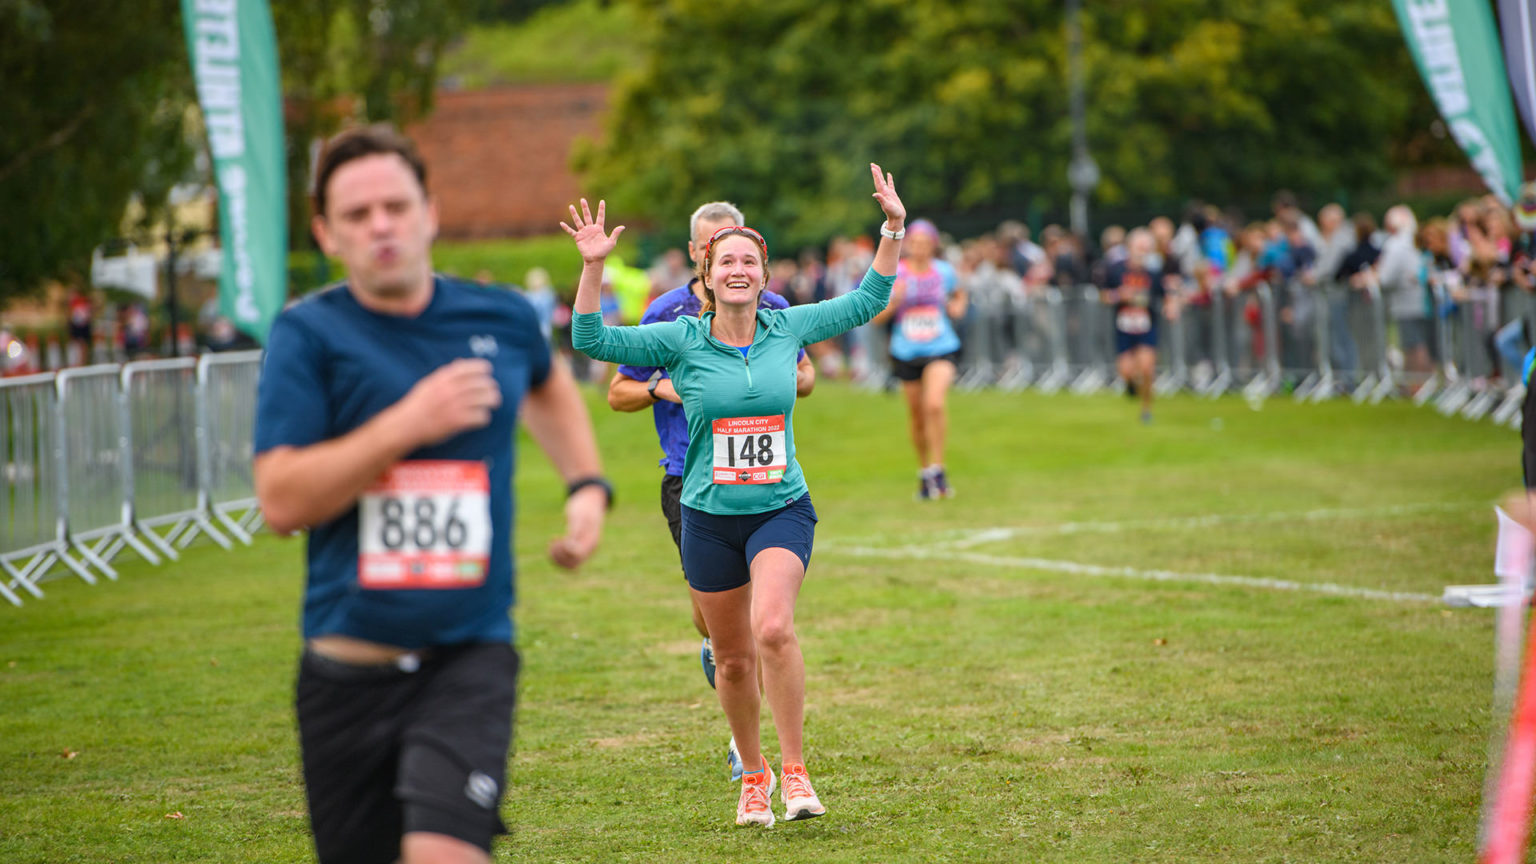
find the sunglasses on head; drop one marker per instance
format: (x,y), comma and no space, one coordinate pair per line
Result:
(741,230)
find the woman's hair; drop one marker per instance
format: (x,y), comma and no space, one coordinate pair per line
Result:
(707,260)
(1365,226)
(1433,235)
(925,228)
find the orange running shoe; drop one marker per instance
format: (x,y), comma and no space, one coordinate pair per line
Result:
(800,801)
(756,791)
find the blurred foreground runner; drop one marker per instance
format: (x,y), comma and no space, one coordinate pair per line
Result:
(385,423)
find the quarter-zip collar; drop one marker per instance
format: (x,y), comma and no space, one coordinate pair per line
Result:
(758,335)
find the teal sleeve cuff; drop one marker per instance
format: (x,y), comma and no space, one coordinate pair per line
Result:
(872,278)
(585,327)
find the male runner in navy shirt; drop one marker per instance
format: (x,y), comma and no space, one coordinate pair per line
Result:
(385,424)
(637,387)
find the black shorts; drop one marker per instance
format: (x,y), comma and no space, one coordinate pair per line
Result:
(388,751)
(672,508)
(912,370)
(718,550)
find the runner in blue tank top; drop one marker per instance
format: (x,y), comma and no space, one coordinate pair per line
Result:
(925,350)
(635,388)
(748,522)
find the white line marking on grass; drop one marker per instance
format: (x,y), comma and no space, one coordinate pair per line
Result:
(992,535)
(1081,569)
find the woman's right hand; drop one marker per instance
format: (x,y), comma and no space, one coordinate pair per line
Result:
(592,241)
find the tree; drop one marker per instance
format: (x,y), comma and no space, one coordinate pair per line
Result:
(92,97)
(778,105)
(97,101)
(343,60)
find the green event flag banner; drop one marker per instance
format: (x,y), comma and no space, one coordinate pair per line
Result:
(234,61)
(1457,49)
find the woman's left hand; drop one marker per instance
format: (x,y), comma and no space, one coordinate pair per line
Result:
(890,202)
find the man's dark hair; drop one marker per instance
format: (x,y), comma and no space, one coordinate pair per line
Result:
(363,141)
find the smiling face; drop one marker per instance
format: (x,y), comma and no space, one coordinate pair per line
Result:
(735,274)
(380,223)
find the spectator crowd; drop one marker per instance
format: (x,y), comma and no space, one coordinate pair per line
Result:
(1451,295)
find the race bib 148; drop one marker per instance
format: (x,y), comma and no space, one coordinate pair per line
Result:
(750,450)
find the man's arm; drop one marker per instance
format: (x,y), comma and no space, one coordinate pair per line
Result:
(557,419)
(302,486)
(627,394)
(805,377)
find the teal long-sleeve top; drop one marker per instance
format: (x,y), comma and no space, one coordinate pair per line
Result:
(740,408)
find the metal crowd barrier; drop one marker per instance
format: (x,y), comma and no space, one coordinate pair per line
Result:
(1314,342)
(226,426)
(143,456)
(98,513)
(32,536)
(160,403)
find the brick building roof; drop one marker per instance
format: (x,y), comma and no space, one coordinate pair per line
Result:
(499,160)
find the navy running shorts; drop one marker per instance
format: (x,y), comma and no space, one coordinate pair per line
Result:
(718,550)
(1128,341)
(672,508)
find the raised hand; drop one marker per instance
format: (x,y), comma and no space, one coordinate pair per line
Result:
(592,241)
(885,193)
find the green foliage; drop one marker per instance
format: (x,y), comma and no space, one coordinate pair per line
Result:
(508,261)
(585,40)
(507,11)
(97,101)
(779,105)
(373,60)
(92,99)
(964,707)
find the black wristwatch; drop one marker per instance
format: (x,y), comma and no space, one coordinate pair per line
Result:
(651,387)
(584,482)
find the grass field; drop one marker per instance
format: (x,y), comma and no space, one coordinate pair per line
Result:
(1074,660)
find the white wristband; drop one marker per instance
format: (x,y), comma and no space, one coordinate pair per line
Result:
(894,235)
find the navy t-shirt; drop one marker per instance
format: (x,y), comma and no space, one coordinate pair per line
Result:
(330,366)
(671,422)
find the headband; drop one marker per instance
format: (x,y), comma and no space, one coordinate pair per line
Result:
(742,230)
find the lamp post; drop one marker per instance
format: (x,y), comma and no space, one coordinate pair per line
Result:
(1083,172)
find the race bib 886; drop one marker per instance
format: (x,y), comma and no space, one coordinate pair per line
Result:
(425,524)
(749,449)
